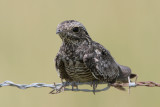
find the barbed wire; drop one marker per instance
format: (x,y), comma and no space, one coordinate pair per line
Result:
(59,87)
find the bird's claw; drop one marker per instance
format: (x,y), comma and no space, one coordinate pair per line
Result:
(73,84)
(94,84)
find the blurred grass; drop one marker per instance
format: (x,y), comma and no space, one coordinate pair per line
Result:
(28,44)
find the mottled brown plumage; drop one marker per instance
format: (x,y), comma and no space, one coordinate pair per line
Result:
(80,59)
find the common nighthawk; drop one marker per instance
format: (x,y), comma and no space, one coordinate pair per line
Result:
(80,59)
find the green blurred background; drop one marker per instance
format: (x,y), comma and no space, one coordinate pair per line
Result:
(130,29)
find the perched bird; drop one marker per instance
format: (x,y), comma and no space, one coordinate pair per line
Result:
(80,59)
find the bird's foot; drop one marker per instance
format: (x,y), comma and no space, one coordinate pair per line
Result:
(73,84)
(94,85)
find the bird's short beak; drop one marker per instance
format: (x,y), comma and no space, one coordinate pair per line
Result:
(58,31)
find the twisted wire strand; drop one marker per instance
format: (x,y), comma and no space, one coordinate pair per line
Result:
(58,86)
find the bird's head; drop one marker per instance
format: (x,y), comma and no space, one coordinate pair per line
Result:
(71,31)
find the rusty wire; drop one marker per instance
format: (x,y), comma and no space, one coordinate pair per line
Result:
(146,83)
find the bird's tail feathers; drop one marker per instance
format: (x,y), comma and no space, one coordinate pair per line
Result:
(133,76)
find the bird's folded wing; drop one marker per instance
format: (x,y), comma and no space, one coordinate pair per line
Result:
(101,63)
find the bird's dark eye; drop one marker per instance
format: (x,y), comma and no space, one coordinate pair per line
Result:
(75,29)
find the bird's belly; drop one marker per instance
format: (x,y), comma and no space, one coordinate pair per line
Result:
(78,71)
